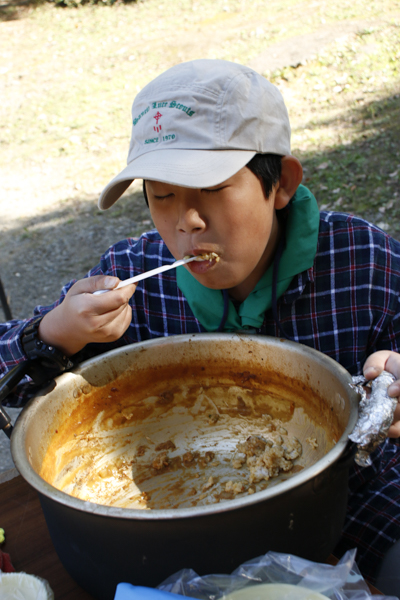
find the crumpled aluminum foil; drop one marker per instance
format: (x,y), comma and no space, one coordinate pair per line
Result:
(376,410)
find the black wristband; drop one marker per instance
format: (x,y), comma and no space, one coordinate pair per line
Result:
(34,348)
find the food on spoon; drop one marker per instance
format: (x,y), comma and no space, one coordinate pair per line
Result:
(205,256)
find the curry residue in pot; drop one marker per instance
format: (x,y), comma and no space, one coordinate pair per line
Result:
(184,446)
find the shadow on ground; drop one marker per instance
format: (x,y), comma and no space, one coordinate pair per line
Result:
(15,9)
(11,10)
(362,178)
(40,254)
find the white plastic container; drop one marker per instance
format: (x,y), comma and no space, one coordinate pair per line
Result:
(21,586)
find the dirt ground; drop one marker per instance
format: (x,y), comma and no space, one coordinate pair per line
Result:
(52,232)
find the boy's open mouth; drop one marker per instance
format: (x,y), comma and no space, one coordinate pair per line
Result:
(206,260)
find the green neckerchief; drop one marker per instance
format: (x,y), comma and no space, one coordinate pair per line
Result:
(302,227)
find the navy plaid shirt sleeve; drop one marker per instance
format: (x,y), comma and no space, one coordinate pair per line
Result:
(11,352)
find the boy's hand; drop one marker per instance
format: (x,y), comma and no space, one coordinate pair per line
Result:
(385,360)
(83,318)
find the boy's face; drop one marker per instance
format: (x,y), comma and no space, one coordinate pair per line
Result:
(233,219)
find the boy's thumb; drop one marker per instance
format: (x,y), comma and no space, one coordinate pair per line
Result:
(107,283)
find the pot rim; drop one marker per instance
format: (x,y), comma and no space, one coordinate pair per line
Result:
(21,460)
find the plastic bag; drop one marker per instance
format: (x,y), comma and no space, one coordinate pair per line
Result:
(340,582)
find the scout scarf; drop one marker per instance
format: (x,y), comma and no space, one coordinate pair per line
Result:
(302,227)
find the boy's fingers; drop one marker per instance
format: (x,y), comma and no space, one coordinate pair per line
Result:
(113,300)
(102,303)
(396,415)
(381,361)
(394,430)
(122,320)
(111,325)
(92,284)
(393,365)
(394,390)
(106,282)
(375,364)
(388,361)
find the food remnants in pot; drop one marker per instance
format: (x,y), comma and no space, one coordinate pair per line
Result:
(269,455)
(256,460)
(187,446)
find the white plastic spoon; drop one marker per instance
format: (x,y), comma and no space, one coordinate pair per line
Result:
(177,263)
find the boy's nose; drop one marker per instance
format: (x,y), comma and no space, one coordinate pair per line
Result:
(190,220)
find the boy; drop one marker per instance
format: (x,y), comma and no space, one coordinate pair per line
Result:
(211,140)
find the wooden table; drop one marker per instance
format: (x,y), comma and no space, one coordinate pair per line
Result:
(28,541)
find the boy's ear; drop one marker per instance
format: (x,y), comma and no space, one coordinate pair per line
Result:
(291,177)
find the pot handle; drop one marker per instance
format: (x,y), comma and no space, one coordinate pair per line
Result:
(39,373)
(7,384)
(376,411)
(39,370)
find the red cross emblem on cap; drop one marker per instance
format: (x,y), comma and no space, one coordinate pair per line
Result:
(157,117)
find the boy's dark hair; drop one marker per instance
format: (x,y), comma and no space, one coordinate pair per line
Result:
(267,167)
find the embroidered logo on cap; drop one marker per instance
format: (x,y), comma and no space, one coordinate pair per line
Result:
(164,105)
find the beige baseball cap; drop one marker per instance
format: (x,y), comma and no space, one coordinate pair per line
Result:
(199,123)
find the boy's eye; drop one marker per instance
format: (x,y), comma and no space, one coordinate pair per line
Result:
(208,191)
(162,197)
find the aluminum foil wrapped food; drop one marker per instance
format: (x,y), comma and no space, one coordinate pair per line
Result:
(375,416)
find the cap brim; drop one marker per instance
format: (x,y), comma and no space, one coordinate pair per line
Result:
(188,168)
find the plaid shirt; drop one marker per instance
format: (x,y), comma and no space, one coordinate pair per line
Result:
(346,306)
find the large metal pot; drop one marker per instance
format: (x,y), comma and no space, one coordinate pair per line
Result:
(101,545)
